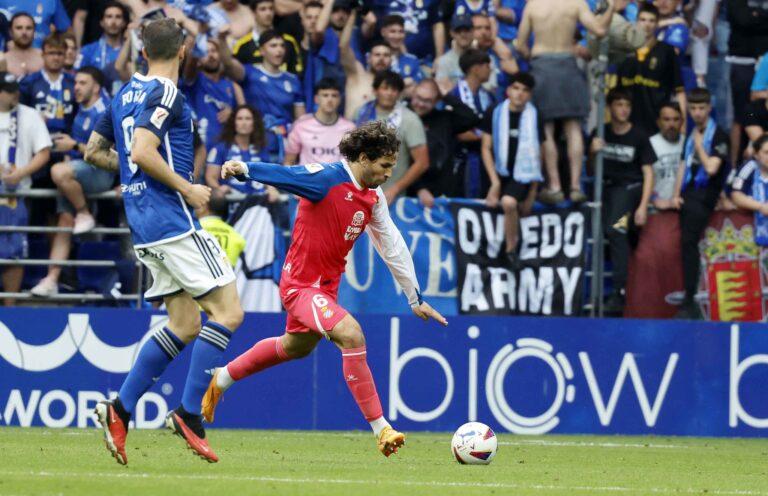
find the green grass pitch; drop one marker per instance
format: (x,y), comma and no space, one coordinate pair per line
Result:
(75,462)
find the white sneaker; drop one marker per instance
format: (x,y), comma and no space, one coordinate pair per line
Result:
(46,287)
(84,222)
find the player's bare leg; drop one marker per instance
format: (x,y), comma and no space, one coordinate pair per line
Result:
(264,354)
(348,336)
(224,316)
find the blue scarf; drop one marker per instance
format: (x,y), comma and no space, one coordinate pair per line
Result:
(528,155)
(18,209)
(702,177)
(758,193)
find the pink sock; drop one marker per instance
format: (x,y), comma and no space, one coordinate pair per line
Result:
(262,355)
(360,382)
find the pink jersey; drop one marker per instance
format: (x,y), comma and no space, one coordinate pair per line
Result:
(334,210)
(314,141)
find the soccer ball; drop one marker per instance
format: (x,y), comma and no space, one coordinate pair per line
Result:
(474,443)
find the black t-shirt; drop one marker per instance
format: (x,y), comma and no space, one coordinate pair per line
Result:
(514,133)
(651,78)
(711,191)
(624,156)
(757,114)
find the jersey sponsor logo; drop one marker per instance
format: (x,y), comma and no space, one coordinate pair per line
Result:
(314,168)
(158,117)
(133,188)
(349,196)
(145,252)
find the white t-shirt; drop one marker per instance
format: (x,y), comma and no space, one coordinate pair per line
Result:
(31,137)
(665,168)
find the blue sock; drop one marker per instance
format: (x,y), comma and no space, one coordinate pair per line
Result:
(206,355)
(153,358)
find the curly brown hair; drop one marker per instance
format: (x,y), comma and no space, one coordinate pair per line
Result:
(375,139)
(257,135)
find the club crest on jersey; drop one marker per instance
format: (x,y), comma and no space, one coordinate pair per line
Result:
(353,231)
(158,117)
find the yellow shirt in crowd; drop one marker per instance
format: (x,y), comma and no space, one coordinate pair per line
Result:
(229,239)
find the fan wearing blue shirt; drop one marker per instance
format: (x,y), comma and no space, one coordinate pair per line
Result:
(103,53)
(44,12)
(51,91)
(276,94)
(211,95)
(150,125)
(75,178)
(403,63)
(425,31)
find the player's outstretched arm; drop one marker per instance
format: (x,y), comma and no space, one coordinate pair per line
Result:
(99,152)
(310,181)
(390,245)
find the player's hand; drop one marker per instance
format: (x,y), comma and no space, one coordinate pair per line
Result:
(677,202)
(425,312)
(12,177)
(233,168)
(197,195)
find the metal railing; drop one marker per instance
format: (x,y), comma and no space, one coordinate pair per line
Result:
(122,232)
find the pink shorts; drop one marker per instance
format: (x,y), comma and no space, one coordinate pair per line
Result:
(311,310)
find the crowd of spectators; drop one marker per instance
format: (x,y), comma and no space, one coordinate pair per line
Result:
(492,99)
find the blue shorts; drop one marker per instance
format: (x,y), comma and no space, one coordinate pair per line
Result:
(13,245)
(91,179)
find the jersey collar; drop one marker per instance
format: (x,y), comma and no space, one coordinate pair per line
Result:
(351,176)
(144,78)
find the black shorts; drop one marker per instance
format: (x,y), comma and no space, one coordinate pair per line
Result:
(741,83)
(518,191)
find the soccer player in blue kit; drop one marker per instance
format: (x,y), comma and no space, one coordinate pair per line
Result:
(150,125)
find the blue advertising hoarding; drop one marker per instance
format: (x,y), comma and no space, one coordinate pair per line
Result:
(518,374)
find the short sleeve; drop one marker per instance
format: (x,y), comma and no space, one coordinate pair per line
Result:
(298,94)
(720,146)
(486,125)
(213,155)
(104,126)
(647,155)
(743,180)
(162,107)
(413,132)
(41,138)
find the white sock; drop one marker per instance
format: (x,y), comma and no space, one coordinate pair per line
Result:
(224,380)
(378,425)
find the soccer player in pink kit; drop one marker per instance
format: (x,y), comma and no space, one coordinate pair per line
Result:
(338,201)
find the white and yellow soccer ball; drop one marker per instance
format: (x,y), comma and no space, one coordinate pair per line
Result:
(474,443)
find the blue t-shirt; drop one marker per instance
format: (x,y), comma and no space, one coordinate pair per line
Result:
(207,98)
(85,122)
(102,56)
(54,100)
(44,12)
(760,81)
(275,96)
(221,152)
(485,7)
(508,31)
(156,213)
(407,66)
(676,35)
(419,17)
